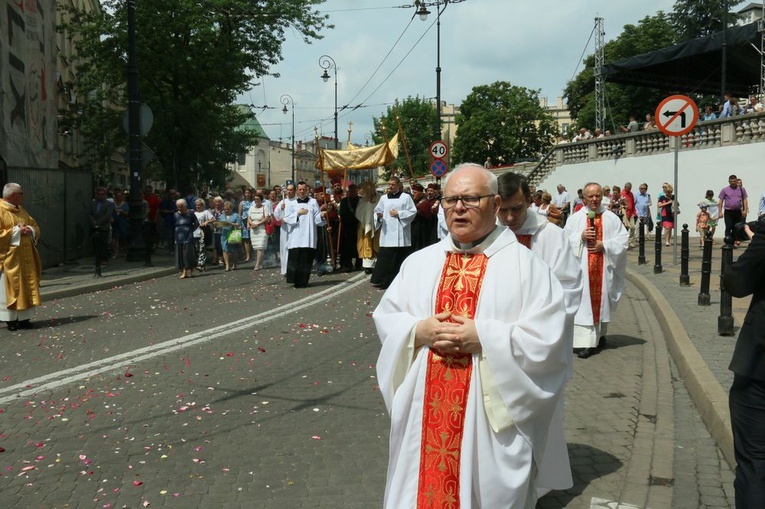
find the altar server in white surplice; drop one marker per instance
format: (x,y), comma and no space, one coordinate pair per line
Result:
(394,214)
(600,242)
(303,216)
(550,243)
(473,360)
(284,235)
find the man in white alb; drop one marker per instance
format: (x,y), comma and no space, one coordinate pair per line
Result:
(600,242)
(473,360)
(394,214)
(550,243)
(302,217)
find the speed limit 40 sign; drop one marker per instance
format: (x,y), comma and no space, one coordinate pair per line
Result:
(439,150)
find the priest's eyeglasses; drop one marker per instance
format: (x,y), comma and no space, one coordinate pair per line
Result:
(469,202)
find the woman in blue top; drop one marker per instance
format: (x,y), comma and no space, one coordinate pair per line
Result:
(231,220)
(244,211)
(185,249)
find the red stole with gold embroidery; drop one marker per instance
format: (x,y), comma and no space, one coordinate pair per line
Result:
(524,239)
(595,271)
(447,384)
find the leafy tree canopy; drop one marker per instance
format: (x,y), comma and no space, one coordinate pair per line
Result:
(418,118)
(699,18)
(689,19)
(194,57)
(651,33)
(503,122)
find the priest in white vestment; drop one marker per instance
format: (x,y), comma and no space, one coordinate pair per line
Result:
(284,234)
(473,362)
(600,242)
(302,216)
(550,243)
(394,214)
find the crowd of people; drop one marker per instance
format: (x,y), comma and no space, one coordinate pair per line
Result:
(491,288)
(730,107)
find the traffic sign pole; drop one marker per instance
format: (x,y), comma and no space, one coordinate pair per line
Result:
(675,116)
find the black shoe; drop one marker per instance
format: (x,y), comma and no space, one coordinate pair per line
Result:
(25,324)
(12,326)
(601,342)
(585,353)
(368,271)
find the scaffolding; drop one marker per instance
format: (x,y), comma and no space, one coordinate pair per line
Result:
(600,81)
(761,28)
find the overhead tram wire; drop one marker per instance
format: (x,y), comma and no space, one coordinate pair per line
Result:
(363,103)
(348,106)
(379,66)
(360,105)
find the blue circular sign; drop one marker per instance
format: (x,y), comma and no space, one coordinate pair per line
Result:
(438,168)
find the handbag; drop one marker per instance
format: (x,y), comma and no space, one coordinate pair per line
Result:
(270,227)
(234,237)
(650,223)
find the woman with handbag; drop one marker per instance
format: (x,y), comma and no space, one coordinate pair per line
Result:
(244,210)
(257,222)
(230,235)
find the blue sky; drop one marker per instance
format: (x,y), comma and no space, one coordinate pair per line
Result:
(534,44)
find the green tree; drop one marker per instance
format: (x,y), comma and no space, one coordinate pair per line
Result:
(650,34)
(417,117)
(503,122)
(699,18)
(194,58)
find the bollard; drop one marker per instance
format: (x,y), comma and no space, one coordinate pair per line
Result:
(657,265)
(148,241)
(725,320)
(641,242)
(685,254)
(706,272)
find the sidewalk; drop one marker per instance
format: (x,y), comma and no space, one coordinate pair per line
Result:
(702,356)
(76,278)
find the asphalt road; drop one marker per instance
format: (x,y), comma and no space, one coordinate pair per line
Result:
(234,390)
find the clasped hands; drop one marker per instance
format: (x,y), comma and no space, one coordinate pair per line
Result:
(448,337)
(590,236)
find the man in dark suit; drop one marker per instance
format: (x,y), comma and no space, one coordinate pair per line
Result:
(747,394)
(101,212)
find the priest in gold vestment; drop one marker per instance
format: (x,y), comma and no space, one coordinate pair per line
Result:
(21,267)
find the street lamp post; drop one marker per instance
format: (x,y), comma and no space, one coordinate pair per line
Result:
(285,100)
(137,250)
(327,62)
(423,12)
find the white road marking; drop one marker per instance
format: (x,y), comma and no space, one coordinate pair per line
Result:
(602,503)
(67,376)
